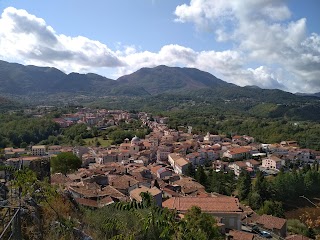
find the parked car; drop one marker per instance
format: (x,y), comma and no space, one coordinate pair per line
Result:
(265,234)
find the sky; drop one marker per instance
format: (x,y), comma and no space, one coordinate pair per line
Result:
(267,43)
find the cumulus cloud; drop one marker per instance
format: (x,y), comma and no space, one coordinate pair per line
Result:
(263,32)
(260,31)
(28,39)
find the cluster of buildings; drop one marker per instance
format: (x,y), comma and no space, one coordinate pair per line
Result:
(157,164)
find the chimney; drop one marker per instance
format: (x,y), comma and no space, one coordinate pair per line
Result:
(129,183)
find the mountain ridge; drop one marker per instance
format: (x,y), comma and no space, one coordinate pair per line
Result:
(18,80)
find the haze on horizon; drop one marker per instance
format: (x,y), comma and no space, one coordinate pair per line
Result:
(267,43)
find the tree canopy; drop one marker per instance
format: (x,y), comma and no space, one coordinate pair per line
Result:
(65,162)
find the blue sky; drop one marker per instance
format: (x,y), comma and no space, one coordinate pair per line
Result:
(269,43)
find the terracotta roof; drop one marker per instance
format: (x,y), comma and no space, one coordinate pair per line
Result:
(253,162)
(297,237)
(239,150)
(87,202)
(59,178)
(123,182)
(106,201)
(239,235)
(112,192)
(170,192)
(241,164)
(135,193)
(271,222)
(189,185)
(207,204)
(155,169)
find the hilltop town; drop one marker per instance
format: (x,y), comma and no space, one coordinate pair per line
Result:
(165,163)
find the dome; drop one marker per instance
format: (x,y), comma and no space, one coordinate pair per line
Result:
(135,139)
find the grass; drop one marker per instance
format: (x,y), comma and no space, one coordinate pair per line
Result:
(92,142)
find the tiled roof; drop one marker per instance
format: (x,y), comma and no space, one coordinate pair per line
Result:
(135,193)
(188,185)
(87,202)
(112,192)
(207,204)
(123,182)
(240,235)
(271,222)
(239,150)
(59,178)
(241,164)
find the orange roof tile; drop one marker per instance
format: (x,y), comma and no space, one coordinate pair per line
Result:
(239,235)
(207,204)
(271,222)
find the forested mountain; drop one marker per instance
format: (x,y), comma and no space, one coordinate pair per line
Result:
(17,79)
(162,79)
(160,88)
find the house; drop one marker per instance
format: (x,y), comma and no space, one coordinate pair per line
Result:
(188,186)
(38,150)
(195,158)
(14,152)
(54,150)
(163,151)
(154,192)
(273,162)
(161,172)
(238,166)
(225,208)
(273,224)
(240,235)
(124,183)
(238,153)
(93,195)
(178,163)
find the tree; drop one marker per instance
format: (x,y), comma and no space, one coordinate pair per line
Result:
(190,171)
(244,185)
(272,208)
(201,176)
(199,225)
(65,163)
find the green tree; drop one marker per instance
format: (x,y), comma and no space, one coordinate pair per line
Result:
(65,162)
(272,208)
(190,171)
(201,176)
(244,185)
(199,225)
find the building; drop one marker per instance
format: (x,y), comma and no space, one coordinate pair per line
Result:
(237,153)
(178,163)
(14,152)
(225,208)
(273,162)
(135,194)
(38,150)
(273,224)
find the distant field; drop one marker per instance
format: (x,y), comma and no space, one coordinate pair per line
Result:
(92,142)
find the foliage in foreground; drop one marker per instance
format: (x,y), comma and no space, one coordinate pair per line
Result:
(147,221)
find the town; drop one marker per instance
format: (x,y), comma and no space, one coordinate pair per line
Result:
(161,164)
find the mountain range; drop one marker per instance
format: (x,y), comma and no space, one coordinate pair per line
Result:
(20,80)
(174,84)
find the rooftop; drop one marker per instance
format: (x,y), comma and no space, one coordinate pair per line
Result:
(207,204)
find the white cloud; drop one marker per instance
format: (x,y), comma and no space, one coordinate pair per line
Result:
(263,33)
(260,30)
(28,39)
